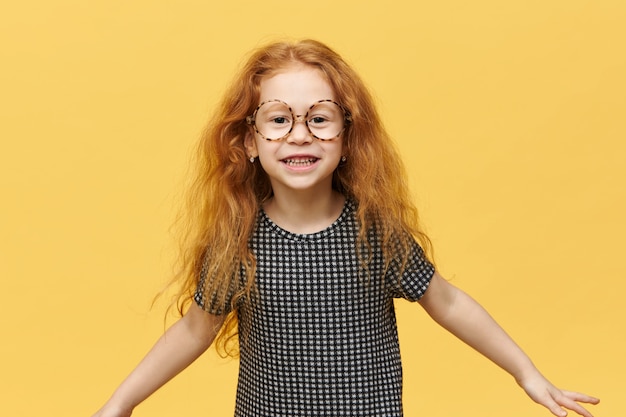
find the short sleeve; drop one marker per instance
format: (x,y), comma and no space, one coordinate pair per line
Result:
(209,302)
(412,282)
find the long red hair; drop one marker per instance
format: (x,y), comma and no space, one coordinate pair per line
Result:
(227,190)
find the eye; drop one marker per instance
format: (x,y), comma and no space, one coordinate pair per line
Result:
(318,120)
(280,120)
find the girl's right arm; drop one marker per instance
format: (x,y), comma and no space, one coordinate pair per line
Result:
(179,346)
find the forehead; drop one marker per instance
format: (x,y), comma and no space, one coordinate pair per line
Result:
(300,86)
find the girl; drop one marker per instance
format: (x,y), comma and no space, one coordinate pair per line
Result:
(300,235)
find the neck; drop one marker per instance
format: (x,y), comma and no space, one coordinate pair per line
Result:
(305,213)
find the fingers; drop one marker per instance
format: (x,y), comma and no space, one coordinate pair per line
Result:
(556,409)
(580,397)
(569,400)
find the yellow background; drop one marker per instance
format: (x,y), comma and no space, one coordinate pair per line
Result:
(509,115)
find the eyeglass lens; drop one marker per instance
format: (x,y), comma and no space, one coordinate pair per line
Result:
(274,120)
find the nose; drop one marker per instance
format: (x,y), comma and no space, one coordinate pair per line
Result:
(300,132)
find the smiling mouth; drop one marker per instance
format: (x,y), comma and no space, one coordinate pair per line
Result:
(300,162)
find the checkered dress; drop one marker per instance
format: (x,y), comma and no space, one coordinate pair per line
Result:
(320,339)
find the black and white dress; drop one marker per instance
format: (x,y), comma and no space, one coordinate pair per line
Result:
(320,338)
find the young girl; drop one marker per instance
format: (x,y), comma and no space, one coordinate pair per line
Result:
(301,233)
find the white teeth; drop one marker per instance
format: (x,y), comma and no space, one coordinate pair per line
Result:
(299,162)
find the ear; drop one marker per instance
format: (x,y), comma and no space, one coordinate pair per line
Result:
(250,143)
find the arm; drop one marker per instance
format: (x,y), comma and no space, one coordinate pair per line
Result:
(181,344)
(458,313)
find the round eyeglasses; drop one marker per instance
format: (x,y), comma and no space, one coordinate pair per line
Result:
(274,119)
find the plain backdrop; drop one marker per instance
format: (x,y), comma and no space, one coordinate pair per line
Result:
(509,116)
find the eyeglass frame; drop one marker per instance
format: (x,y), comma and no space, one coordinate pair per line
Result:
(347,117)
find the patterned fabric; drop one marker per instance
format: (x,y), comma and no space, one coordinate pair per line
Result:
(320,339)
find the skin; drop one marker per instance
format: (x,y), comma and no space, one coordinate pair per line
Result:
(304,202)
(462,316)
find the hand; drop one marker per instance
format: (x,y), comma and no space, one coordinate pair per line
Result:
(543,392)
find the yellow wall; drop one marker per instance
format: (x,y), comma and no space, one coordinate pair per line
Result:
(510,116)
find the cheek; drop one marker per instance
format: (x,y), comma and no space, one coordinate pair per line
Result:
(265,149)
(338,150)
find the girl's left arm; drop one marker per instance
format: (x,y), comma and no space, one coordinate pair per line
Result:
(457,312)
